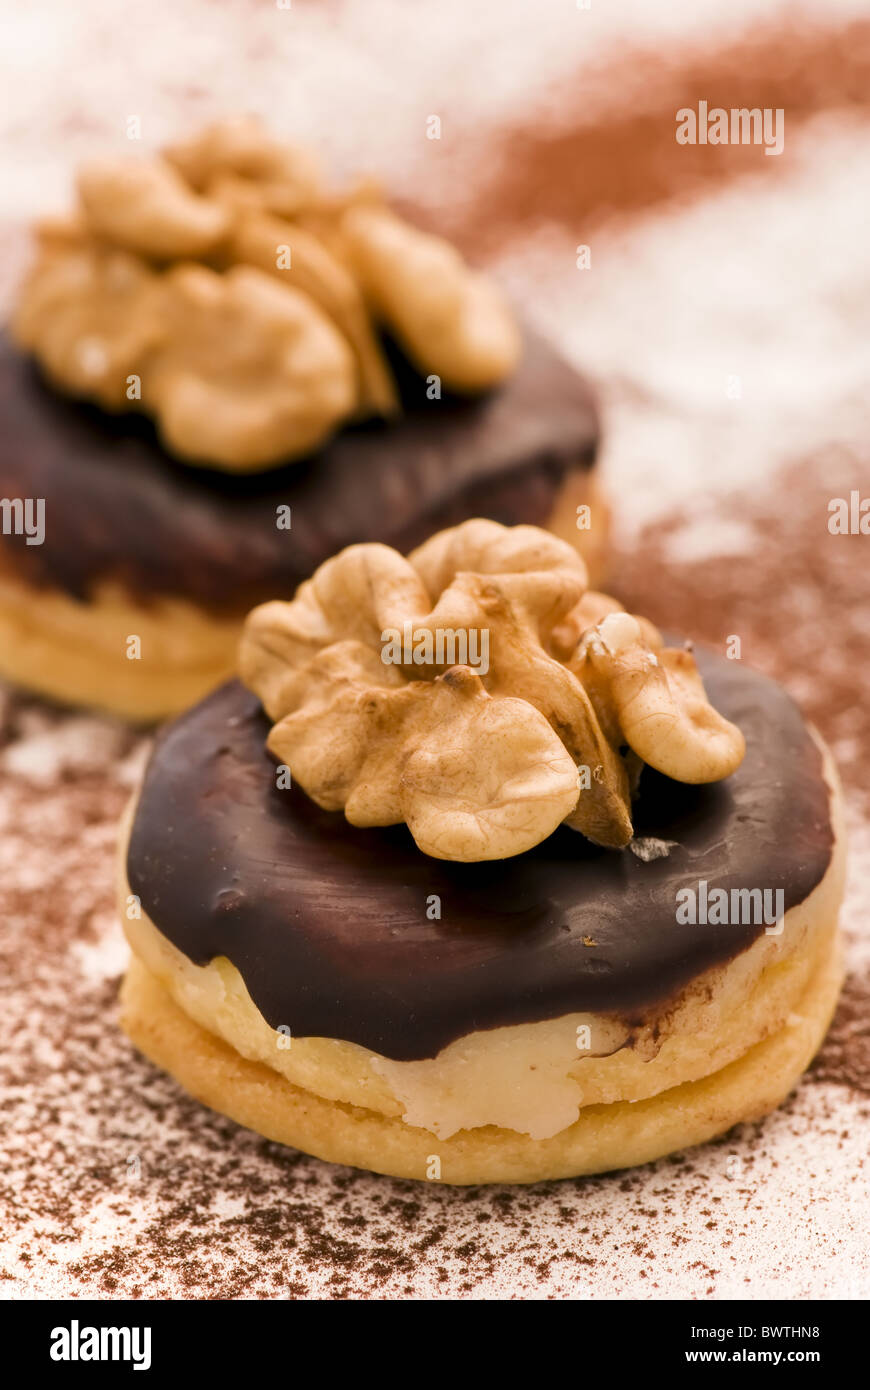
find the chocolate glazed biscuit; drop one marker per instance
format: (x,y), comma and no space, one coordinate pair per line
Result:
(327,923)
(118,507)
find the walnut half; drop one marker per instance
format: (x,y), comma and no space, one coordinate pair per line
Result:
(482,756)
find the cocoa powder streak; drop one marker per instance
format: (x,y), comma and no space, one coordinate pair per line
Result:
(583,162)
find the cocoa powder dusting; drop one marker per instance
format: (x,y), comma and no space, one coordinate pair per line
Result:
(578,164)
(845,1057)
(796,598)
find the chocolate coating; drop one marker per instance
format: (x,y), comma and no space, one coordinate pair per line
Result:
(117,506)
(327,924)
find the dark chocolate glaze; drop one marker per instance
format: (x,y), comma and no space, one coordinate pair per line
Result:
(327,924)
(117,506)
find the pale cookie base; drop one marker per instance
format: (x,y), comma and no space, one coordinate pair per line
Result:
(76,652)
(604,1137)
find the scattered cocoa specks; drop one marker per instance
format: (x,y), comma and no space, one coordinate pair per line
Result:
(845,1057)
